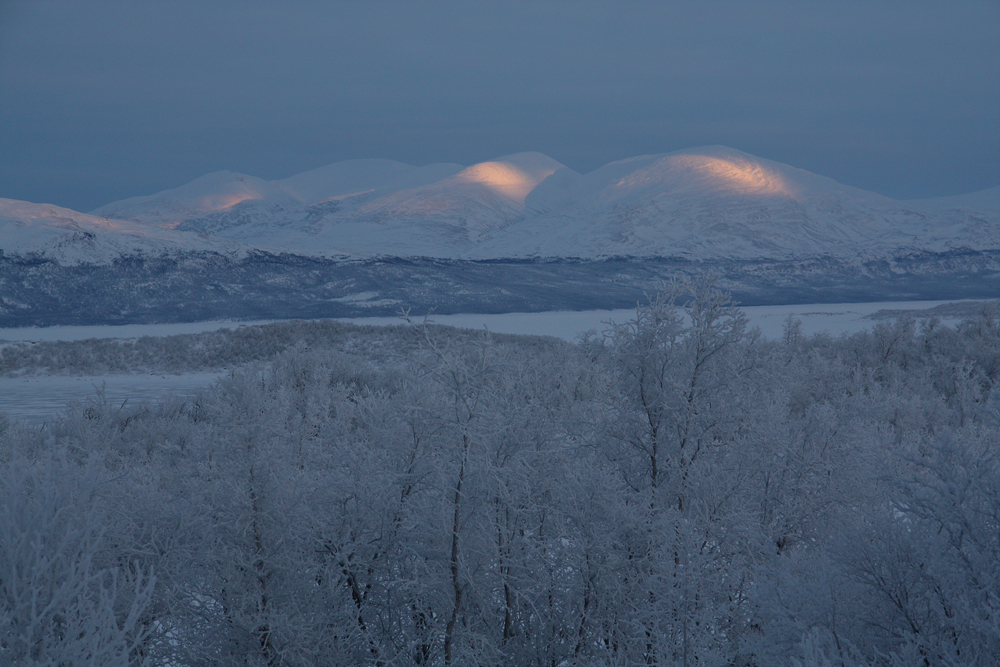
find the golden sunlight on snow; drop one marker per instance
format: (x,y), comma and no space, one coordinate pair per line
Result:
(709,174)
(505,179)
(346,196)
(111,225)
(221,202)
(739,176)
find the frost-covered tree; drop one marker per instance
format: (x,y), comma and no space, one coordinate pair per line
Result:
(685,364)
(681,368)
(64,600)
(681,492)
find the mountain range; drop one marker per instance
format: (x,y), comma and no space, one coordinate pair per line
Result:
(518,233)
(703,204)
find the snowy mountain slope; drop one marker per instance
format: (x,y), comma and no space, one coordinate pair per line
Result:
(486,196)
(981,201)
(704,203)
(212,194)
(964,221)
(73,238)
(716,201)
(225,199)
(359,207)
(353,178)
(442,218)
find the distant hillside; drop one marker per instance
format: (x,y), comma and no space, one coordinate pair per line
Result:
(706,203)
(522,232)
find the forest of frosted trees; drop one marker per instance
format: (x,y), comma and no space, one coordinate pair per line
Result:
(673,491)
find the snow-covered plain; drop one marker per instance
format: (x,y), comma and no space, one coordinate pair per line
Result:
(39,398)
(40,334)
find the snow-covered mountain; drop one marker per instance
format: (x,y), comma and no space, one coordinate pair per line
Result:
(707,203)
(358,207)
(71,238)
(445,218)
(718,202)
(983,200)
(518,233)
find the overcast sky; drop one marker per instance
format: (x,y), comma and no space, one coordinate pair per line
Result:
(105,100)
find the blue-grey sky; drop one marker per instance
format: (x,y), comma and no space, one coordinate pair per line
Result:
(101,100)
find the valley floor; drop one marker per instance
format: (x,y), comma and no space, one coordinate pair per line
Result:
(37,399)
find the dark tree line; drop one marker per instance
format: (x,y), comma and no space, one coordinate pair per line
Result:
(674,491)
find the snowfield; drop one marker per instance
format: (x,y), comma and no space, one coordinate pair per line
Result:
(40,399)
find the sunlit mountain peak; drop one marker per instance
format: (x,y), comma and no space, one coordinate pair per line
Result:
(737,175)
(713,169)
(513,176)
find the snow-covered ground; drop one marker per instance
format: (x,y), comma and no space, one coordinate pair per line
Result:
(117,331)
(39,398)
(835,319)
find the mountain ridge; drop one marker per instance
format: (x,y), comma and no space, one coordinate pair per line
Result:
(711,202)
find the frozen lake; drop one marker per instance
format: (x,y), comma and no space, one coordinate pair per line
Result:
(835,319)
(40,398)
